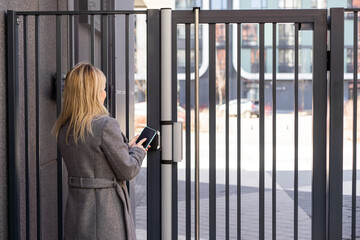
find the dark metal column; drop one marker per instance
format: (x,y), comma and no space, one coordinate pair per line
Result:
(92,41)
(296,131)
(26,103)
(153,120)
(262,133)
(38,173)
(239,131)
(104,53)
(274,133)
(13,125)
(336,95)
(227,127)
(71,40)
(212,131)
(58,111)
(319,127)
(355,98)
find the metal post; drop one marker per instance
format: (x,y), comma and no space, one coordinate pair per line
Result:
(166,125)
(174,97)
(58,110)
(26,95)
(336,95)
(238,101)
(153,120)
(296,132)
(274,134)
(92,42)
(13,125)
(197,155)
(104,52)
(37,84)
(127,75)
(319,127)
(212,131)
(71,40)
(262,132)
(354,139)
(188,133)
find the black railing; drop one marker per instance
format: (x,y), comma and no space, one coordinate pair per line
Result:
(62,19)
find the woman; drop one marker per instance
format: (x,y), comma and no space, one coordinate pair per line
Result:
(98,159)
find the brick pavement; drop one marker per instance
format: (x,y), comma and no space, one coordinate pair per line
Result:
(249,210)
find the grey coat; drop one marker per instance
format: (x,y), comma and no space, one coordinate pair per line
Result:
(98,204)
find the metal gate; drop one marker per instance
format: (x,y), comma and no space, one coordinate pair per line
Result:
(313,20)
(326,192)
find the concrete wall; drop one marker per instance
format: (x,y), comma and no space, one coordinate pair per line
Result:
(47,117)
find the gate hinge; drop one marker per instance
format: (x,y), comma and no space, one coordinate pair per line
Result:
(328,60)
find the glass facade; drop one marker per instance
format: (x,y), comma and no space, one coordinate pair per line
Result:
(250,39)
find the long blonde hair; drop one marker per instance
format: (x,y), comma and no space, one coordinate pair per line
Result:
(81,104)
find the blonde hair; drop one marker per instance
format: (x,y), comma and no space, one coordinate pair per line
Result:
(81,104)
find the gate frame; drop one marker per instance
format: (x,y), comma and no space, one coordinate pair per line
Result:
(318,19)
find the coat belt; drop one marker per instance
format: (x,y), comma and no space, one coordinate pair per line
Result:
(101,183)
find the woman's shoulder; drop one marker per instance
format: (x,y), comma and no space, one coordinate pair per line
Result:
(102,121)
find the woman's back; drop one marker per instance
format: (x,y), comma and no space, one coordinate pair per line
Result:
(86,159)
(98,204)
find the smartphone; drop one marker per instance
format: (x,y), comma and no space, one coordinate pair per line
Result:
(147,133)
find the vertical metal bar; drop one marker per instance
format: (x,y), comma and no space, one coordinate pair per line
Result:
(27,167)
(239,131)
(319,127)
(197,150)
(58,111)
(227,96)
(296,123)
(76,38)
(166,122)
(113,67)
(174,96)
(355,96)
(13,125)
(261,135)
(153,120)
(38,173)
(110,73)
(104,53)
(188,132)
(335,176)
(71,36)
(212,132)
(127,73)
(92,19)
(274,133)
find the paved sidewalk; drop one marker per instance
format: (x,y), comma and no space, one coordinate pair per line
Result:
(249,210)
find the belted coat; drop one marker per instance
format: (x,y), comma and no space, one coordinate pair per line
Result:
(98,204)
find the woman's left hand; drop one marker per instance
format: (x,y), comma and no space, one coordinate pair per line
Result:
(133,140)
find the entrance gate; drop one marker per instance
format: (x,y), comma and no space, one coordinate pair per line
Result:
(326,187)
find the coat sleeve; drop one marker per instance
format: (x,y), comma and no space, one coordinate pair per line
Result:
(125,162)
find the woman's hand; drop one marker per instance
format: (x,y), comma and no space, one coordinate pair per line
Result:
(139,144)
(133,140)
